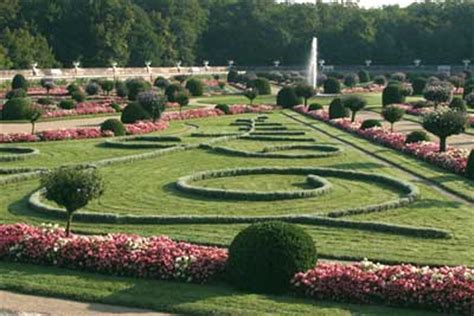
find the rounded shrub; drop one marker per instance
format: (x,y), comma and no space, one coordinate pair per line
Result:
(456,81)
(45,101)
(392,114)
(78,96)
(458,104)
(351,80)
(132,113)
(468,89)
(315,107)
(16,93)
(398,76)
(355,103)
(116,107)
(337,109)
(470,166)
(287,97)
(67,104)
(444,123)
(19,82)
(114,126)
(370,123)
(438,92)
(107,86)
(392,94)
(92,88)
(172,91)
(332,86)
(417,136)
(121,89)
(223,107)
(265,256)
(73,87)
(380,80)
(232,76)
(419,85)
(135,86)
(470,100)
(262,85)
(161,82)
(195,87)
(364,76)
(16,109)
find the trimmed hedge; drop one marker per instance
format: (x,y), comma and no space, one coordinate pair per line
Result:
(113,125)
(17,153)
(278,139)
(278,133)
(143,142)
(214,134)
(272,152)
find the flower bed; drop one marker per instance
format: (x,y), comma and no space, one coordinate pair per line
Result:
(84,108)
(454,159)
(445,289)
(156,257)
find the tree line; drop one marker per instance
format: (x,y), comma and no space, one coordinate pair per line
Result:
(251,32)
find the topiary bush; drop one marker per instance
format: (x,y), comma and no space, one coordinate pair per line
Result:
(67,104)
(439,92)
(133,112)
(161,82)
(73,87)
(470,100)
(265,256)
(392,114)
(351,80)
(16,93)
(380,80)
(16,109)
(232,76)
(107,86)
(262,85)
(444,123)
(121,89)
(47,83)
(355,103)
(458,104)
(45,101)
(116,107)
(92,88)
(135,86)
(398,76)
(468,89)
(114,126)
(78,96)
(392,94)
(370,123)
(152,103)
(332,86)
(304,91)
(19,82)
(172,91)
(315,107)
(337,109)
(195,87)
(419,85)
(470,166)
(417,136)
(223,107)
(364,76)
(287,97)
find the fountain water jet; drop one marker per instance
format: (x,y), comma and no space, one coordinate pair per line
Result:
(313,64)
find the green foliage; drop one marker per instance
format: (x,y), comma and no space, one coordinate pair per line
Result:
(419,85)
(114,126)
(315,107)
(172,91)
(468,89)
(152,103)
(417,136)
(369,123)
(392,114)
(92,88)
(380,80)
(107,86)
(72,188)
(19,82)
(67,104)
(232,76)
(121,89)
(304,91)
(16,109)
(161,83)
(392,94)
(195,87)
(116,107)
(444,123)
(223,107)
(73,87)
(16,93)
(332,86)
(135,86)
(251,94)
(133,112)
(398,76)
(337,109)
(287,97)
(470,100)
(470,166)
(439,92)
(47,83)
(265,256)
(182,99)
(351,80)
(364,76)
(458,104)
(45,101)
(355,103)
(262,85)
(78,96)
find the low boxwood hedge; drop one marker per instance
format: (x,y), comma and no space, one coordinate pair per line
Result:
(17,153)
(278,139)
(272,152)
(143,142)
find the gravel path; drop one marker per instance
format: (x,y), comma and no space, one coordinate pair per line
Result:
(28,305)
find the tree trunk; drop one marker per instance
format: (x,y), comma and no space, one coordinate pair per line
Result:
(391,127)
(180,109)
(251,102)
(305,102)
(353,116)
(68,224)
(32,128)
(442,144)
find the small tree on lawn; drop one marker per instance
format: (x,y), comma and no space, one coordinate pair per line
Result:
(72,188)
(107,86)
(33,114)
(183,100)
(251,94)
(48,84)
(304,91)
(444,123)
(152,103)
(392,114)
(354,103)
(438,92)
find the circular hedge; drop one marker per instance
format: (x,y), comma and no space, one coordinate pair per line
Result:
(265,256)
(321,151)
(143,142)
(17,153)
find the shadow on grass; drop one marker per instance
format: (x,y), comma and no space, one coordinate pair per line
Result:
(356,165)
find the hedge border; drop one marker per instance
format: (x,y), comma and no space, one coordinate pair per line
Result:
(277,133)
(278,139)
(17,153)
(215,134)
(136,142)
(269,152)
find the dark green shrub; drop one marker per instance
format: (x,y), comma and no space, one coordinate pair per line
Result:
(16,109)
(92,88)
(392,94)
(470,100)
(121,89)
(332,86)
(172,91)
(470,166)
(152,103)
(72,188)
(315,107)
(351,80)
(262,85)
(468,89)
(133,112)
(47,83)
(444,123)
(16,93)
(370,123)
(251,94)
(182,99)
(287,97)
(195,87)
(232,76)
(417,136)
(223,107)
(135,86)
(380,80)
(392,114)
(265,256)
(19,82)
(440,92)
(419,85)
(180,78)
(73,88)
(78,96)
(304,91)
(337,109)
(67,104)
(355,103)
(114,126)
(456,81)
(107,86)
(421,104)
(398,76)
(364,76)
(45,101)
(161,83)
(116,107)
(458,104)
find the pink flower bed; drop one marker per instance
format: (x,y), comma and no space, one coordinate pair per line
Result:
(146,127)
(445,289)
(454,159)
(156,257)
(84,108)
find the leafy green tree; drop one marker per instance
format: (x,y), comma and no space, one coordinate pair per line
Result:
(304,91)
(392,114)
(355,103)
(183,100)
(444,123)
(251,94)
(33,114)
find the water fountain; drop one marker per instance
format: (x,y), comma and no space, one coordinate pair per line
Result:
(313,64)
